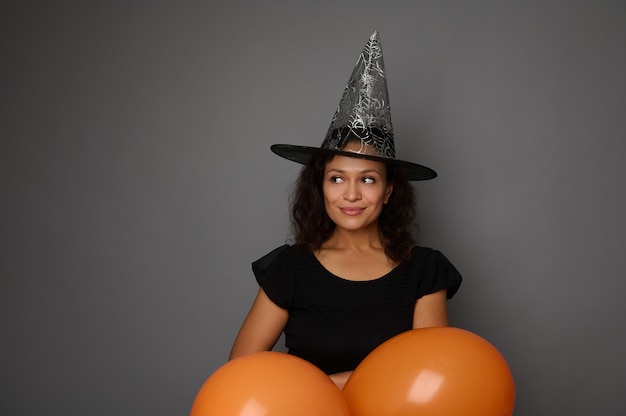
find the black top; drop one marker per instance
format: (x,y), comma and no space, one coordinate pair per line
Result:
(333,322)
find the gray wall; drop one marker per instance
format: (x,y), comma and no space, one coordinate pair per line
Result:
(137,185)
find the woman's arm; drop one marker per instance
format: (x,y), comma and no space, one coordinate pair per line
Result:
(431,310)
(340,379)
(261,328)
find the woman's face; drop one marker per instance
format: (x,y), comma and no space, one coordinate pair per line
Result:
(355,191)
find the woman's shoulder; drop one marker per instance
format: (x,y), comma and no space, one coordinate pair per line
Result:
(421,252)
(286,249)
(276,252)
(280,255)
(272,256)
(427,254)
(436,271)
(429,259)
(274,273)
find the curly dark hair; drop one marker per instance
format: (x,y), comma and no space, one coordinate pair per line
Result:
(312,226)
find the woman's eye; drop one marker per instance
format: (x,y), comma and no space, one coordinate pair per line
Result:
(335,179)
(368,180)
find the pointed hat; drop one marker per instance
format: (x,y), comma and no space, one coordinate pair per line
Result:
(363,117)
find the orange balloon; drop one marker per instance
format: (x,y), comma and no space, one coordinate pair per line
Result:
(435,372)
(269,384)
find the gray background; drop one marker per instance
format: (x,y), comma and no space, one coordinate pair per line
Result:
(137,185)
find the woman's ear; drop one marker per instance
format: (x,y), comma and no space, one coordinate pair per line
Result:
(388,192)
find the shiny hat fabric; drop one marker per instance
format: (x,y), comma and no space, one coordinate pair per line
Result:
(363,117)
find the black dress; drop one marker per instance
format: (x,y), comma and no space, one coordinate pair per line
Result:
(333,322)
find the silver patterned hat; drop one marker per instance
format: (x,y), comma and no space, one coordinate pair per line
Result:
(361,126)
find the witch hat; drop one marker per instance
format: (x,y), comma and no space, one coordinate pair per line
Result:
(362,117)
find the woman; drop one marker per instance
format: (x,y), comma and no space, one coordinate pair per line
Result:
(354,277)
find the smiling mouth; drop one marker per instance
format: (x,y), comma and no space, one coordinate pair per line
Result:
(352,211)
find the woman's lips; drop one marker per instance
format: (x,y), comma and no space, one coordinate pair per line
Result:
(352,211)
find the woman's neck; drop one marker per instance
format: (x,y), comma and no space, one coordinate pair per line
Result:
(358,240)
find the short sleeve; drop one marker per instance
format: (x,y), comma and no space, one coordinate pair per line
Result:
(274,274)
(439,274)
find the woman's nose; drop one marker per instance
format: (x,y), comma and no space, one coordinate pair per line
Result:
(352,192)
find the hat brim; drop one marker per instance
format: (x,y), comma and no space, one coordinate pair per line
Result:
(302,155)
